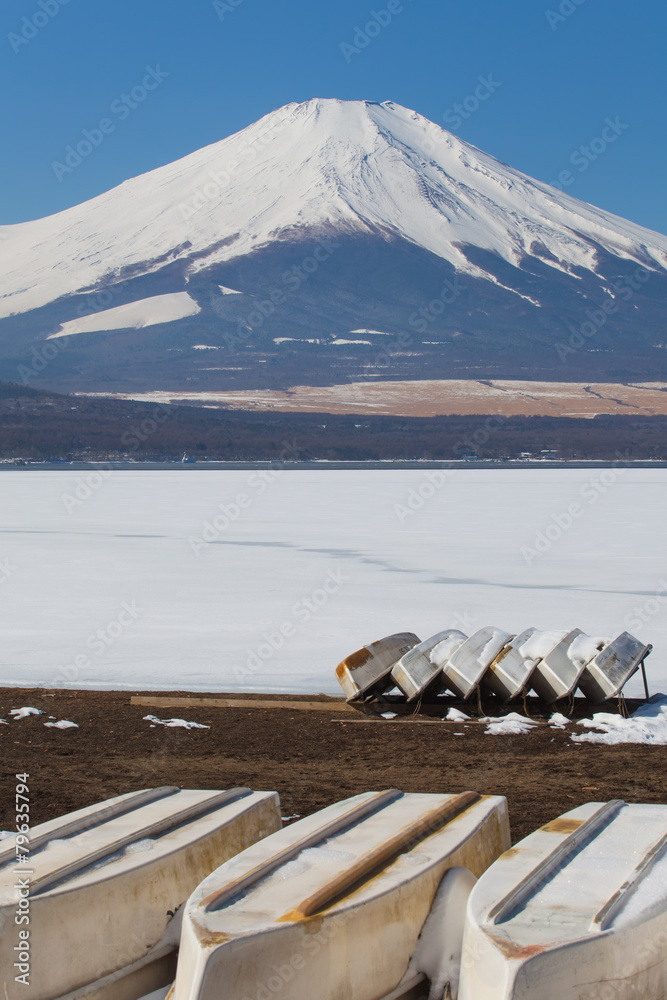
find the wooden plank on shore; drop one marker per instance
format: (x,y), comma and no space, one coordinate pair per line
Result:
(292,706)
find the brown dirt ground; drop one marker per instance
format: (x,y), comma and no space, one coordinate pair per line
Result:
(310,757)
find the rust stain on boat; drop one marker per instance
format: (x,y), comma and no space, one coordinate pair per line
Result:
(356,659)
(562,825)
(512,950)
(208,938)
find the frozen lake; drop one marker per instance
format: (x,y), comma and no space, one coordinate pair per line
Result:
(263,581)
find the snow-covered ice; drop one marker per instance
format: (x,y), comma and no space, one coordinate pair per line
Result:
(207,580)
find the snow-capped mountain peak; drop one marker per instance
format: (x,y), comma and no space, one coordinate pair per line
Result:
(405,199)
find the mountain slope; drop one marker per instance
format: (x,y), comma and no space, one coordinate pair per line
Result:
(322,220)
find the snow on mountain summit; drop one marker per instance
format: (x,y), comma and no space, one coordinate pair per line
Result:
(328,166)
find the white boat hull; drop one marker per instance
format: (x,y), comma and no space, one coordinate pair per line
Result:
(415,672)
(556,676)
(248,936)
(105,880)
(576,910)
(368,670)
(465,668)
(509,675)
(606,674)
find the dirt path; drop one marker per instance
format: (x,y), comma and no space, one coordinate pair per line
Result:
(309,757)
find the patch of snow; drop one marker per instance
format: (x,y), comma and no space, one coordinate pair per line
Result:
(512,724)
(541,643)
(174,723)
(389,715)
(23,713)
(373,333)
(647,725)
(229,291)
(140,846)
(584,648)
(133,315)
(296,340)
(456,715)
(441,653)
(63,724)
(342,340)
(559,721)
(204,347)
(438,951)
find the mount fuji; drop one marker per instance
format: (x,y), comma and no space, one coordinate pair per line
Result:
(330,241)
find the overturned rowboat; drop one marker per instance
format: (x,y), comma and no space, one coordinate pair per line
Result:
(466,666)
(104,882)
(420,669)
(557,673)
(332,906)
(508,676)
(367,671)
(553,663)
(577,909)
(608,672)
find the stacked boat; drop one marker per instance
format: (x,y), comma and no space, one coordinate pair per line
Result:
(99,891)
(383,896)
(577,909)
(552,664)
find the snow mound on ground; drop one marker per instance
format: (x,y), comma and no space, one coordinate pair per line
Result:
(647,725)
(455,715)
(508,725)
(558,721)
(174,723)
(23,713)
(63,724)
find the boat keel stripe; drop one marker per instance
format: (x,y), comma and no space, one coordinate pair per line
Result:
(528,885)
(219,899)
(83,823)
(604,918)
(152,830)
(382,855)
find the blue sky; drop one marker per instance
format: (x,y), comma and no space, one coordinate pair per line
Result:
(559,70)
